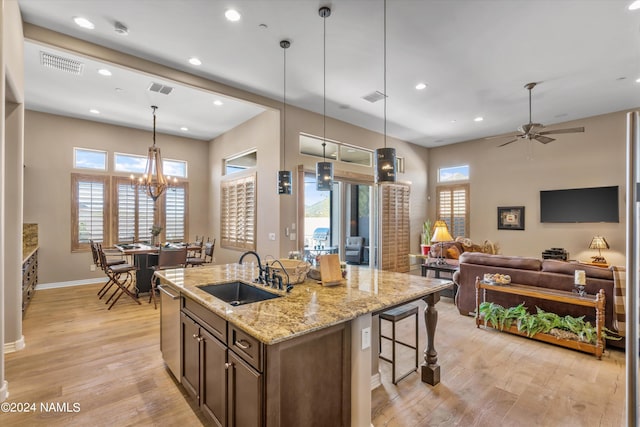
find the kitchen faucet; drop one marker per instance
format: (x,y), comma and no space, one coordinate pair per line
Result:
(262,276)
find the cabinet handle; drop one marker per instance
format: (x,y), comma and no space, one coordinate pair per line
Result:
(195,336)
(243,344)
(228,365)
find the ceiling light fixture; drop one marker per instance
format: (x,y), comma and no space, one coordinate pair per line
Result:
(104,72)
(635,5)
(153,180)
(638,80)
(324,169)
(94,111)
(421,86)
(478,119)
(184,129)
(194,61)
(232,15)
(284,176)
(218,103)
(83,22)
(385,159)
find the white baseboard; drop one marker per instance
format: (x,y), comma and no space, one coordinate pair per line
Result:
(4,391)
(54,285)
(12,347)
(375,381)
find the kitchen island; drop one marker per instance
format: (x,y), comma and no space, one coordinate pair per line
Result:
(309,356)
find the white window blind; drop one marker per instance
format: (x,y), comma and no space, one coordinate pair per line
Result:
(238,213)
(126,219)
(453,208)
(88,210)
(145,215)
(175,214)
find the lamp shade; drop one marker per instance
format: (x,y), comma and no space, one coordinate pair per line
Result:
(385,164)
(598,242)
(441,232)
(284,182)
(324,176)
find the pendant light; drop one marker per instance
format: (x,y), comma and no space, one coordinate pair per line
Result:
(284,176)
(385,158)
(153,180)
(324,169)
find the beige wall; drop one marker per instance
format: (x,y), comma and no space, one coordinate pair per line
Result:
(49,142)
(506,177)
(261,133)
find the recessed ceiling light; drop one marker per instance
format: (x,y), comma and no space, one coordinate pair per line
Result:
(83,22)
(104,72)
(217,102)
(421,86)
(194,61)
(635,5)
(453,121)
(232,15)
(119,89)
(638,80)
(184,128)
(94,111)
(478,119)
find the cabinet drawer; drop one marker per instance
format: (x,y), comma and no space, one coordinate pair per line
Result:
(245,346)
(214,323)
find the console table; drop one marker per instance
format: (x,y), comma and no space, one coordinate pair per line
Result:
(596,301)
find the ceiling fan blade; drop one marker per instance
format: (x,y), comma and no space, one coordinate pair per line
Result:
(543,139)
(511,135)
(508,142)
(571,130)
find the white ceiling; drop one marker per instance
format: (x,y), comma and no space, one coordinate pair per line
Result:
(474,55)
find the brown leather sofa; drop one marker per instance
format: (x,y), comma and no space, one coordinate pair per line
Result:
(546,273)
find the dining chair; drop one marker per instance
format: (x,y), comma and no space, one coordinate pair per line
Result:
(119,274)
(194,253)
(167,258)
(97,261)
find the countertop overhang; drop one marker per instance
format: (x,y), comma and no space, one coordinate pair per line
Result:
(309,306)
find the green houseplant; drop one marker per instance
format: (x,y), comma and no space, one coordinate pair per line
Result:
(425,237)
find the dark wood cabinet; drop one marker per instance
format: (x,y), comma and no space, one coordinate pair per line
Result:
(228,389)
(238,381)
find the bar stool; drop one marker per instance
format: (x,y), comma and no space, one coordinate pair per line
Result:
(394,316)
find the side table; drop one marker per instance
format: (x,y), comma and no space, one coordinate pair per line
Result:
(440,268)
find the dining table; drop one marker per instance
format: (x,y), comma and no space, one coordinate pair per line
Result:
(145,256)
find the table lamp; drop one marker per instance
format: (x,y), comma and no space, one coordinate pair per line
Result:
(599,243)
(441,234)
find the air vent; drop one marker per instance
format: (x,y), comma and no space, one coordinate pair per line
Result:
(61,63)
(157,87)
(374,96)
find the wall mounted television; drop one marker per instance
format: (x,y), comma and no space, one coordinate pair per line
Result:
(597,204)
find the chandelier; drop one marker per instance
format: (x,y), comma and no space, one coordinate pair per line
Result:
(153,180)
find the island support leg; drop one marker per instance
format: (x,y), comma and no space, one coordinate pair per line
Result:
(430,368)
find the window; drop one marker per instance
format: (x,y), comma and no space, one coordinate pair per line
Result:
(84,158)
(133,214)
(452,206)
(88,210)
(174,168)
(241,162)
(138,164)
(238,213)
(312,146)
(456,173)
(175,213)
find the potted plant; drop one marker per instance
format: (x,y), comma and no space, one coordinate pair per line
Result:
(425,243)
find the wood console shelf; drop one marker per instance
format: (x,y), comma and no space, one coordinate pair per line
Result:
(595,301)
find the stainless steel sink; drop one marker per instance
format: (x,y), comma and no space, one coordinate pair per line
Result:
(238,293)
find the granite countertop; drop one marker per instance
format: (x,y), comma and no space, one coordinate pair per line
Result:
(309,306)
(27,251)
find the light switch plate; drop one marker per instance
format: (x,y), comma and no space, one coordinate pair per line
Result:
(272,236)
(366,338)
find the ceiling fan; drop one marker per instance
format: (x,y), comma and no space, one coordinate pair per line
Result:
(535,130)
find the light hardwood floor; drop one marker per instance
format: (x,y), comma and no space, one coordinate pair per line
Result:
(110,364)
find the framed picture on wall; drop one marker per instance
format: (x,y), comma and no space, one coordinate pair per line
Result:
(510,217)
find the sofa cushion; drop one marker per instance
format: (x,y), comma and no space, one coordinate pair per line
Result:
(523,263)
(453,253)
(555,266)
(436,248)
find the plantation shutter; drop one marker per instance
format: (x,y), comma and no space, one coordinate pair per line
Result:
(88,210)
(126,218)
(238,213)
(176,213)
(452,206)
